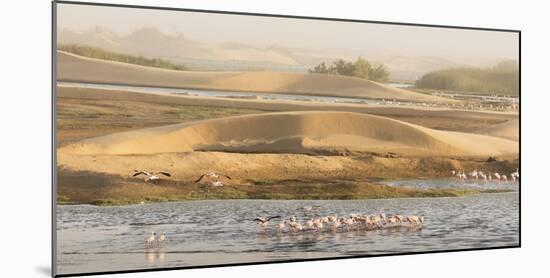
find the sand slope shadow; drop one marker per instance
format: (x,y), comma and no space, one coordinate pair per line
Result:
(296,132)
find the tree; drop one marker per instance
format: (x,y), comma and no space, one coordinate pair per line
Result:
(342,67)
(321,68)
(506,66)
(380,73)
(362,68)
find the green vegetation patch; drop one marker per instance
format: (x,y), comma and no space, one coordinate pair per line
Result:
(502,79)
(99,53)
(361,68)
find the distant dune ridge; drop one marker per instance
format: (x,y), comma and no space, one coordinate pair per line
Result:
(179,48)
(296,132)
(76,68)
(508,130)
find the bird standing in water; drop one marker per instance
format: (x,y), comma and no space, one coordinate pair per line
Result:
(150,240)
(161,238)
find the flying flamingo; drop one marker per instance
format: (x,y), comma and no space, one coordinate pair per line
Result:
(212,175)
(150,176)
(264,221)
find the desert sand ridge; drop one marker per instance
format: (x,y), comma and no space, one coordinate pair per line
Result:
(508,130)
(296,132)
(71,67)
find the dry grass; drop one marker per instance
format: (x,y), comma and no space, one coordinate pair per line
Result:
(96,189)
(81,118)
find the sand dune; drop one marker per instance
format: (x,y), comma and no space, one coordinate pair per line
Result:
(311,132)
(76,68)
(508,130)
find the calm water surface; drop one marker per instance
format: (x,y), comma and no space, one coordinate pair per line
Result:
(223,94)
(92,238)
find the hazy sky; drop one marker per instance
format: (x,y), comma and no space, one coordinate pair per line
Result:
(318,34)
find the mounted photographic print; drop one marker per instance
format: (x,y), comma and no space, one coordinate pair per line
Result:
(187,138)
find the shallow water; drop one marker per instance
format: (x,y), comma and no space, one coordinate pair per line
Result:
(92,238)
(454,183)
(225,94)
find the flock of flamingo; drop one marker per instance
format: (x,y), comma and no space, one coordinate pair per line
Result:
(333,223)
(353,222)
(212,179)
(152,239)
(480,175)
(330,222)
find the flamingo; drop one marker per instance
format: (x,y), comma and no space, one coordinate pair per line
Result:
(497,175)
(281,226)
(150,176)
(335,224)
(212,175)
(318,225)
(295,226)
(392,220)
(474,174)
(376,220)
(216,183)
(504,178)
(309,224)
(150,240)
(463,176)
(264,221)
(483,176)
(415,220)
(515,175)
(383,218)
(348,222)
(161,238)
(400,218)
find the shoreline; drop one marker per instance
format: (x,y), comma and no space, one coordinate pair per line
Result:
(424,194)
(73,83)
(281,190)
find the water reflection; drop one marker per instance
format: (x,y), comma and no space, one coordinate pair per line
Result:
(154,256)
